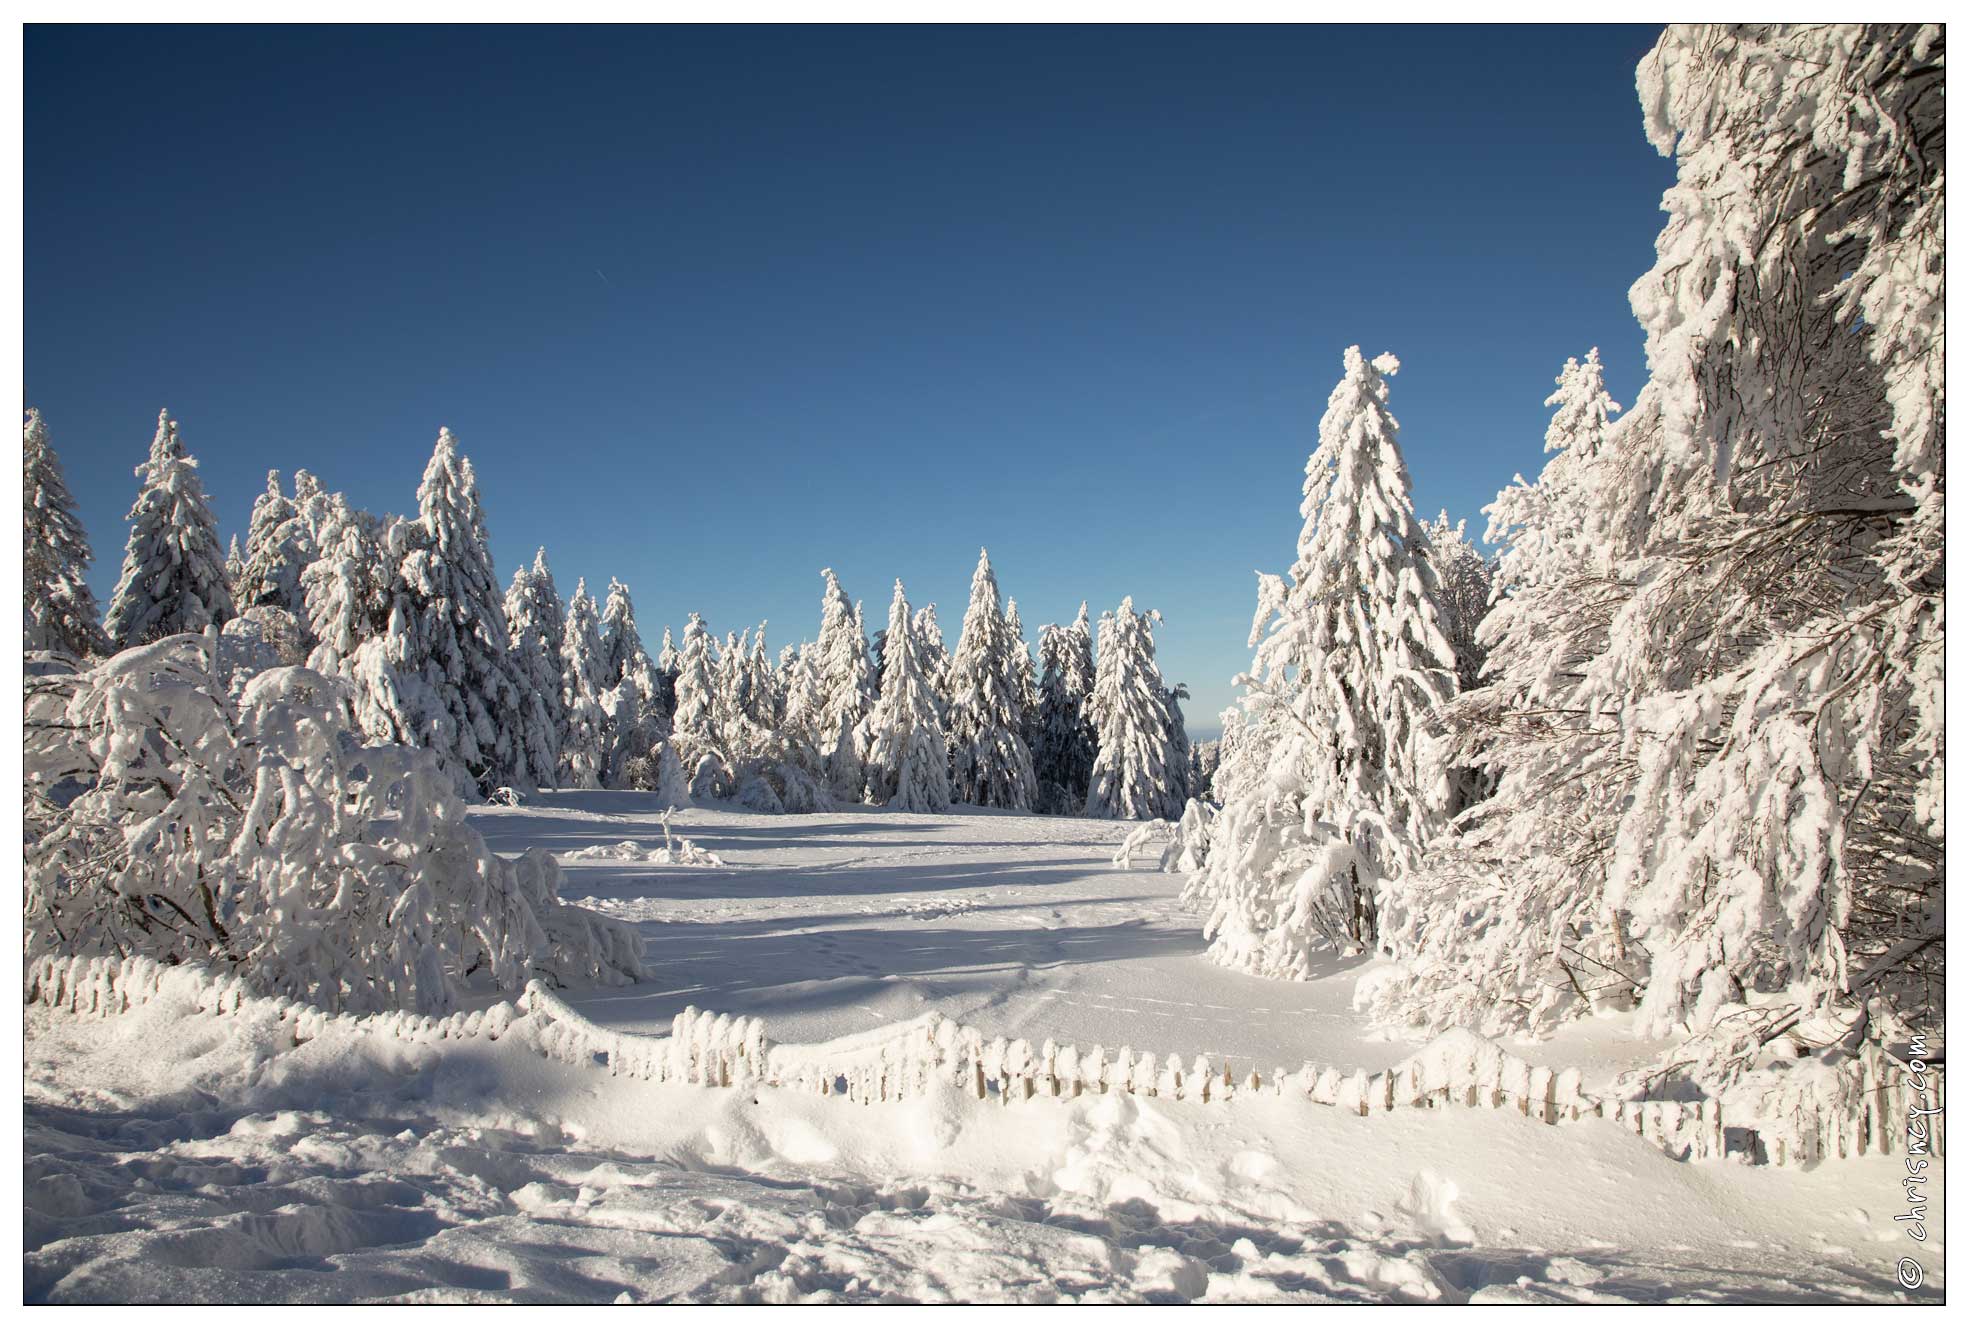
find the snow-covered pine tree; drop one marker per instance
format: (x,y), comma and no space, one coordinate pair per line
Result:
(536,627)
(1063,752)
(848,684)
(989,761)
(805,696)
(174,572)
(667,660)
(728,709)
(623,655)
(1203,766)
(694,727)
(1179,743)
(1026,676)
(936,657)
(1740,674)
(1352,661)
(908,760)
(1464,576)
(779,768)
(584,745)
(1505,926)
(637,720)
(441,675)
(1136,776)
(280,544)
(59,609)
(346,591)
(262,577)
(235,569)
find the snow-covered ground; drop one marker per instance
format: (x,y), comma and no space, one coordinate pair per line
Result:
(1020,926)
(172,1155)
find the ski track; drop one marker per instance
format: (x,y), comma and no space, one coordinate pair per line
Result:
(173,1157)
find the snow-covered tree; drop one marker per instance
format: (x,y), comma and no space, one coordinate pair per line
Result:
(235,569)
(936,657)
(637,721)
(255,834)
(1204,759)
(1063,751)
(1179,744)
(667,660)
(989,761)
(1025,676)
(174,572)
(1712,678)
(59,609)
(1344,785)
(1136,774)
(804,696)
(536,627)
(1505,925)
(779,769)
(623,655)
(441,675)
(848,685)
(280,544)
(908,760)
(694,727)
(584,743)
(1463,576)
(346,590)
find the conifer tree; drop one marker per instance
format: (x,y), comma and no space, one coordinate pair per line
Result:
(441,675)
(584,749)
(1027,679)
(346,590)
(694,727)
(847,684)
(174,575)
(279,547)
(1352,662)
(936,658)
(990,763)
(235,569)
(1464,576)
(908,760)
(1063,753)
(59,608)
(636,722)
(1136,774)
(537,628)
(667,660)
(1182,785)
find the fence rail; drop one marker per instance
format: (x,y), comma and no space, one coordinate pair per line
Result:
(1860,1113)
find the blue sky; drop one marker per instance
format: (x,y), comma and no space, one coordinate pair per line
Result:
(714,308)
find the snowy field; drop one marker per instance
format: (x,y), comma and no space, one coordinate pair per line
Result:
(177,1156)
(1021,926)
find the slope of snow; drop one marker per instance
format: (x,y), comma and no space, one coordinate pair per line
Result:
(1019,925)
(176,1156)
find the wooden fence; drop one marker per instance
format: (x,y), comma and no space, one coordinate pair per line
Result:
(1862,1109)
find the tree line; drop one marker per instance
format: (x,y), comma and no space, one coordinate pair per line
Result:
(524,690)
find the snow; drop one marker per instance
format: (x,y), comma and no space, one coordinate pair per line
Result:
(830,924)
(174,1154)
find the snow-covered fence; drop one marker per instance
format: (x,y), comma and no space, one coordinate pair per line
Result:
(98,985)
(1855,1111)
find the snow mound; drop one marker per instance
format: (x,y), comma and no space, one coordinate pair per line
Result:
(684,854)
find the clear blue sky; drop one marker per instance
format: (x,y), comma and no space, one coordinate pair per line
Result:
(711,309)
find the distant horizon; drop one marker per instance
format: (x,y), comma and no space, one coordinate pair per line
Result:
(714,309)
